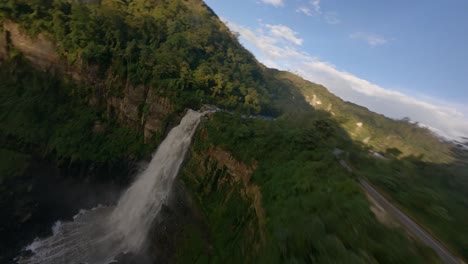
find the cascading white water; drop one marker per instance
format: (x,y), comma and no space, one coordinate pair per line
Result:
(98,235)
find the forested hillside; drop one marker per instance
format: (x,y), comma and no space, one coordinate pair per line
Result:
(93,88)
(374,130)
(183,52)
(311,210)
(178,48)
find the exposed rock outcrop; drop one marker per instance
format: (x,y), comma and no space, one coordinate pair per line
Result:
(156,107)
(38,50)
(315,101)
(138,106)
(237,173)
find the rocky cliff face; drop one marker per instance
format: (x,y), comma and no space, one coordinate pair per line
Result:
(223,185)
(237,173)
(138,107)
(38,50)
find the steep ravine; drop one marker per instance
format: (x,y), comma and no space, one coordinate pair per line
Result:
(179,218)
(55,187)
(184,217)
(140,109)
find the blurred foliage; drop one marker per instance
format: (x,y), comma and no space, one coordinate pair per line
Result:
(315,212)
(434,194)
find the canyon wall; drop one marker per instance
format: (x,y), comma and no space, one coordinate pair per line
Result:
(140,107)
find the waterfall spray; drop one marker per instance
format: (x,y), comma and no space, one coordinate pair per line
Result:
(97,236)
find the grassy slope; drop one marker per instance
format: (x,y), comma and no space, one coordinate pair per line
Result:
(433,194)
(383,133)
(425,175)
(314,211)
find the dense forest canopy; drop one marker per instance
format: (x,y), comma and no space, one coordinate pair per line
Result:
(182,51)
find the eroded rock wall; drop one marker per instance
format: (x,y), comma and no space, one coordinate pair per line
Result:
(38,50)
(139,107)
(214,172)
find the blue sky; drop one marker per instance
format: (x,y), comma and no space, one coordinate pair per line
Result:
(398,58)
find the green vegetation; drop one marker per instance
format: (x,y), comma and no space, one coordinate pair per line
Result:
(314,211)
(425,175)
(46,118)
(433,194)
(38,110)
(179,49)
(377,131)
(182,51)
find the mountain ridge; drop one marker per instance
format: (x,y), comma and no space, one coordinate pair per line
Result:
(359,114)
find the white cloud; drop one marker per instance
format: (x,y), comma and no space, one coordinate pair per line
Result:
(284,32)
(316,5)
(447,121)
(315,9)
(273,2)
(304,10)
(274,41)
(275,52)
(371,39)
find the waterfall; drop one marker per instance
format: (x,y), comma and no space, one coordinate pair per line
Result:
(97,236)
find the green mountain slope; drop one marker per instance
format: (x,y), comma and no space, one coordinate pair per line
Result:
(183,51)
(100,84)
(180,49)
(373,130)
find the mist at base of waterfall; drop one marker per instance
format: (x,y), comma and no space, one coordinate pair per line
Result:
(100,235)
